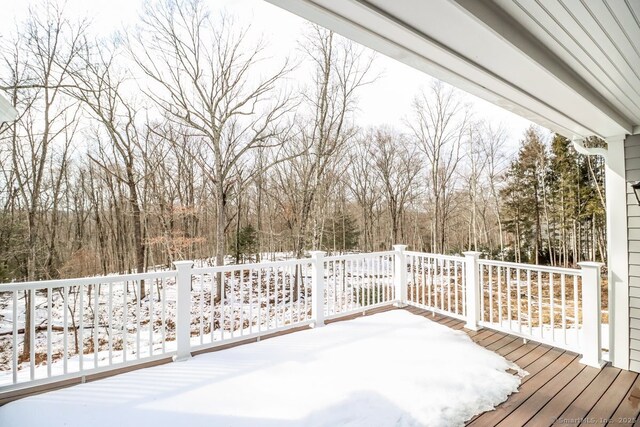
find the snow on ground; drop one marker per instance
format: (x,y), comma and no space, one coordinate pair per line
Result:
(393,368)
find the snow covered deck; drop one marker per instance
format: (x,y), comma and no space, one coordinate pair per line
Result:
(391,368)
(386,367)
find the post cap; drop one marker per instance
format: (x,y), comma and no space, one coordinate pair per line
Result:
(591,264)
(317,253)
(399,247)
(472,253)
(185,263)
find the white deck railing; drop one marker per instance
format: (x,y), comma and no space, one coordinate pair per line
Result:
(85,326)
(438,283)
(532,301)
(357,281)
(258,299)
(556,306)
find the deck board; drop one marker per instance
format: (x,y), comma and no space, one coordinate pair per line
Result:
(511,350)
(524,349)
(492,339)
(537,359)
(627,412)
(561,401)
(547,370)
(481,335)
(611,399)
(501,343)
(531,406)
(580,407)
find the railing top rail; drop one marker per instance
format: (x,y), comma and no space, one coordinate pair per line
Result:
(252,266)
(432,255)
(95,280)
(522,266)
(358,256)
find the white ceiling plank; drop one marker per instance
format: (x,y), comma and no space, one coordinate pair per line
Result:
(629,26)
(601,40)
(521,75)
(614,27)
(550,23)
(397,42)
(550,31)
(634,9)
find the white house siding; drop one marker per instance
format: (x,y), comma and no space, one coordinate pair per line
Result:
(632,165)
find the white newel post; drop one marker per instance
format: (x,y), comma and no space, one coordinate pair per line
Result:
(183,310)
(473,291)
(400,275)
(617,245)
(617,252)
(317,288)
(590,343)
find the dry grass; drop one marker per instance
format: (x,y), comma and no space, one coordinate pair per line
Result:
(530,297)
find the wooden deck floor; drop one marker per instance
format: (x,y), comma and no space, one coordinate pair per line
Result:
(558,390)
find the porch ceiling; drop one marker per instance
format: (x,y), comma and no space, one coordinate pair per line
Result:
(571,66)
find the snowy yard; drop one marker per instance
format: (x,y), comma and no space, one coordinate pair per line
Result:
(393,368)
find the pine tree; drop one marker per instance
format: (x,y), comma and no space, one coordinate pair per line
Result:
(565,187)
(246,242)
(524,195)
(341,233)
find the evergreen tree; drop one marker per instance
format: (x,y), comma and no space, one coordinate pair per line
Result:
(341,233)
(565,195)
(553,203)
(246,242)
(524,196)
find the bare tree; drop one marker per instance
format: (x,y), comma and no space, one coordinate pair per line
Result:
(203,74)
(398,168)
(475,166)
(364,184)
(340,69)
(439,124)
(41,61)
(492,140)
(101,88)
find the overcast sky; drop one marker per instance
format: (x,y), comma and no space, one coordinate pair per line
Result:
(386,101)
